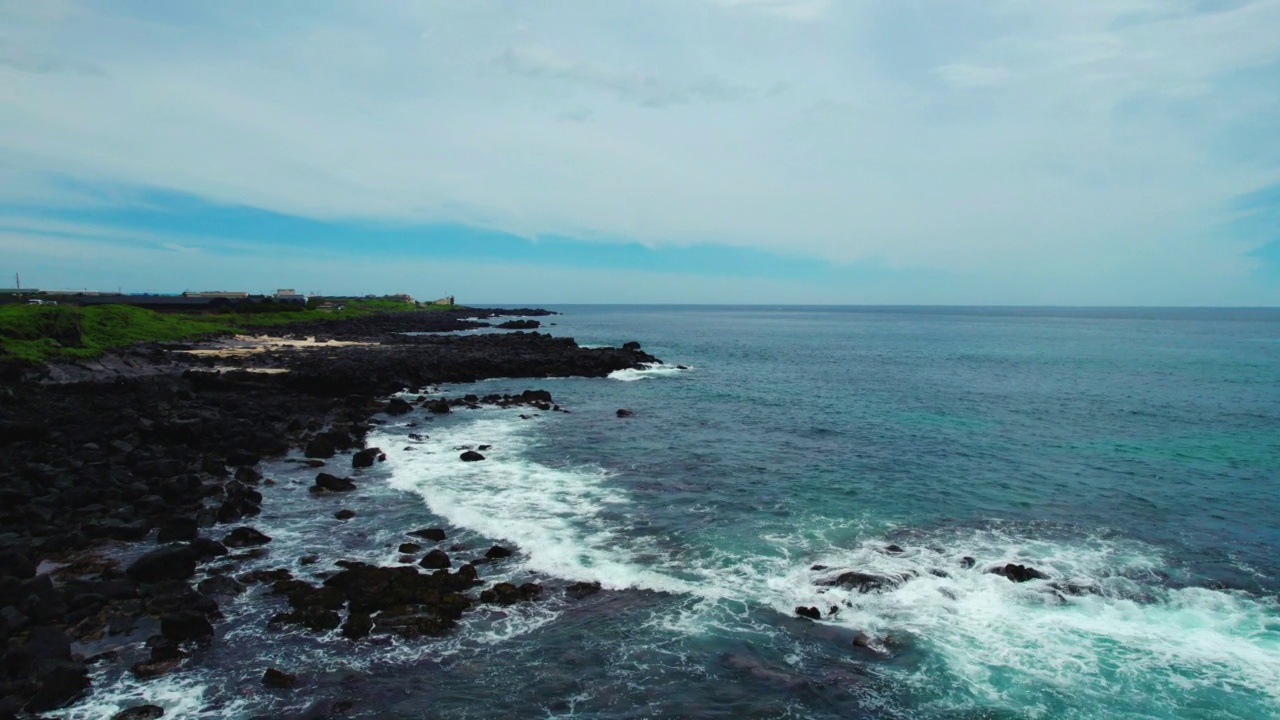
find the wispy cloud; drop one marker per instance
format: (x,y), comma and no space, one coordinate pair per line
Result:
(649,90)
(791,9)
(1078,146)
(964,76)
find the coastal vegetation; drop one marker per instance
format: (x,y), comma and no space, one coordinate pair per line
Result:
(40,333)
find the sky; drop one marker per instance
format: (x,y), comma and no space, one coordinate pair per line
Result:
(1025,152)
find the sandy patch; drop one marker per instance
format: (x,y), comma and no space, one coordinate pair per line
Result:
(243,345)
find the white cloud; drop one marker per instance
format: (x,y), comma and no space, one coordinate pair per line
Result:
(1107,134)
(791,9)
(964,76)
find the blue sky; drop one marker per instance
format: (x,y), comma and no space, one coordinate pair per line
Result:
(808,151)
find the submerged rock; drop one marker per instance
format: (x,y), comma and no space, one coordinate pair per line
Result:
(862,582)
(171,563)
(279,679)
(332,483)
(435,534)
(1018,573)
(365,458)
(435,560)
(141,712)
(580,590)
(185,625)
(397,406)
(245,537)
(812,613)
(471,456)
(497,552)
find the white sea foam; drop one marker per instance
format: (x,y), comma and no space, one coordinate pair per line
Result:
(182,695)
(990,641)
(650,370)
(997,642)
(553,514)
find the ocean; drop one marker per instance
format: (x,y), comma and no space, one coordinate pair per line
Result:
(1131,456)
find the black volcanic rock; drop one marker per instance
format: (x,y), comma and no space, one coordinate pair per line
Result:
(279,679)
(497,552)
(332,483)
(245,537)
(365,458)
(812,613)
(1018,573)
(170,563)
(149,438)
(435,560)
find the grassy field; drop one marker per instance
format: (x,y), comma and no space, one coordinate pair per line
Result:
(39,333)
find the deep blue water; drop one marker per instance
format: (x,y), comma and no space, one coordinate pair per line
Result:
(1131,455)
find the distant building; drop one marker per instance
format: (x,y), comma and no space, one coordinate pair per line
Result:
(18,291)
(290,295)
(217,294)
(402,297)
(446,300)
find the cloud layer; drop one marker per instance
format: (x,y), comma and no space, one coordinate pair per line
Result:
(1099,148)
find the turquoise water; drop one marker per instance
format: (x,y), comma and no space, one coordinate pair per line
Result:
(1133,456)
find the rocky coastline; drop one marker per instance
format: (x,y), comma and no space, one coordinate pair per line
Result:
(161,445)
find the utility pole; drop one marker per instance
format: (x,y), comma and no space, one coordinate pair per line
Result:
(17,279)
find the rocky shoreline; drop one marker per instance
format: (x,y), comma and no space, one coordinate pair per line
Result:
(161,445)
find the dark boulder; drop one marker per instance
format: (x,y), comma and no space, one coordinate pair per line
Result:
(279,679)
(625,413)
(440,406)
(497,552)
(245,537)
(332,483)
(155,668)
(185,625)
(967,562)
(170,563)
(862,582)
(178,528)
(519,325)
(58,685)
(435,560)
(409,547)
(631,345)
(220,585)
(248,475)
(471,456)
(397,406)
(206,549)
(365,458)
(468,573)
(17,564)
(140,712)
(321,446)
(580,590)
(358,625)
(812,613)
(345,514)
(1018,573)
(434,534)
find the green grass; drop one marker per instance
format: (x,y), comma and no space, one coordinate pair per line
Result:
(40,333)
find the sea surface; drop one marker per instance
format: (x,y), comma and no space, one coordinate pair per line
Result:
(1133,456)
